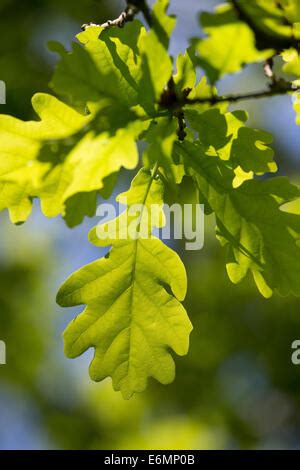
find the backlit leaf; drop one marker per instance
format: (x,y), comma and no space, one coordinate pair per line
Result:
(131,343)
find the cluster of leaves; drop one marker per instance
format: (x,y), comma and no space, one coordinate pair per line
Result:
(119,87)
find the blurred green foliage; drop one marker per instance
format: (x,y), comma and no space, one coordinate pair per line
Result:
(237,388)
(26,65)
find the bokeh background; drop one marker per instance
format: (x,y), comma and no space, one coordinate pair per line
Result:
(236,389)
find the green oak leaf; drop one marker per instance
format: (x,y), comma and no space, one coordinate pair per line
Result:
(274,22)
(84,204)
(21,143)
(226,136)
(16,198)
(156,63)
(161,137)
(131,343)
(85,167)
(186,85)
(105,64)
(229,45)
(163,24)
(185,77)
(127,66)
(292,62)
(251,151)
(69,155)
(59,157)
(213,130)
(204,90)
(291,10)
(260,237)
(292,66)
(79,206)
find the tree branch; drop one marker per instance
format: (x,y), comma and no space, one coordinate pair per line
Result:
(181,125)
(278,88)
(130,12)
(144,9)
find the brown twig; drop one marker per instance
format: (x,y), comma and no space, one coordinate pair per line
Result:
(175,104)
(130,12)
(181,125)
(279,88)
